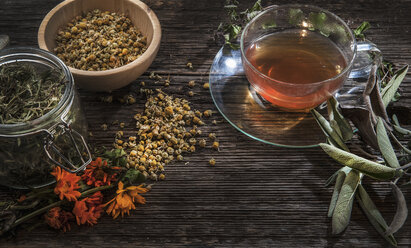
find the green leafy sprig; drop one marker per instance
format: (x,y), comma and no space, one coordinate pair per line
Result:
(231,31)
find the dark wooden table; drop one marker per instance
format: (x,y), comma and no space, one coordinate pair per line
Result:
(257,195)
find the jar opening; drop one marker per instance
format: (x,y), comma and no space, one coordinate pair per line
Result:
(43,62)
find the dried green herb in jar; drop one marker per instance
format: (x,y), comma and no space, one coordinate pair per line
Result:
(26,93)
(99,41)
(42,124)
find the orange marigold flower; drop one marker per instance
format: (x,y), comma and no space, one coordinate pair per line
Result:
(124,201)
(89,209)
(99,173)
(66,184)
(95,200)
(58,219)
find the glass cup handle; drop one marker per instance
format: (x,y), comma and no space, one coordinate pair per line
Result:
(367,55)
(49,147)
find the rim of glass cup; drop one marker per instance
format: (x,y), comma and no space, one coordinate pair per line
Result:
(32,53)
(287,6)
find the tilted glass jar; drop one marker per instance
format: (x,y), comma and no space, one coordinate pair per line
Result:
(29,151)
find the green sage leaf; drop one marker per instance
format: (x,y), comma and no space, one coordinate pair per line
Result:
(361,118)
(369,168)
(402,211)
(337,120)
(332,178)
(257,6)
(269,25)
(371,82)
(395,119)
(342,212)
(373,215)
(397,127)
(317,20)
(232,32)
(377,103)
(329,131)
(385,145)
(253,11)
(398,143)
(296,16)
(401,130)
(337,188)
(338,31)
(359,31)
(391,88)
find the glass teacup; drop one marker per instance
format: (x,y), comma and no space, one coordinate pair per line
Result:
(297,56)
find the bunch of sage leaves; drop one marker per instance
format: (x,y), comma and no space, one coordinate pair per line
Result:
(379,132)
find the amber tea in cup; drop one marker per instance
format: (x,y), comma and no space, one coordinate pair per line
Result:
(297,56)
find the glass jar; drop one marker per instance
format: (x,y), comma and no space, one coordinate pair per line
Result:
(29,151)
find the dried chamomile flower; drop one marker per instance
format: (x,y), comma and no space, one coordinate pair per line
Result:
(189,65)
(119,134)
(207,113)
(106,99)
(192,83)
(212,162)
(206,86)
(192,141)
(130,99)
(216,145)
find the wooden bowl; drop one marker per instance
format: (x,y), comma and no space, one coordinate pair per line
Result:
(142,18)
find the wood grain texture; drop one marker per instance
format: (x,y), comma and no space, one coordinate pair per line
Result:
(257,195)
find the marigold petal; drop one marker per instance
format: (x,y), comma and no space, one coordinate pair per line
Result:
(120,185)
(104,205)
(116,215)
(141,199)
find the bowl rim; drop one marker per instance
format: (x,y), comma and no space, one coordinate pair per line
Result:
(152,48)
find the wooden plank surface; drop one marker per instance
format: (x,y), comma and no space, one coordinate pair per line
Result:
(257,195)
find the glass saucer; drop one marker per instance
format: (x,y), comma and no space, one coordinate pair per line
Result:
(243,108)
